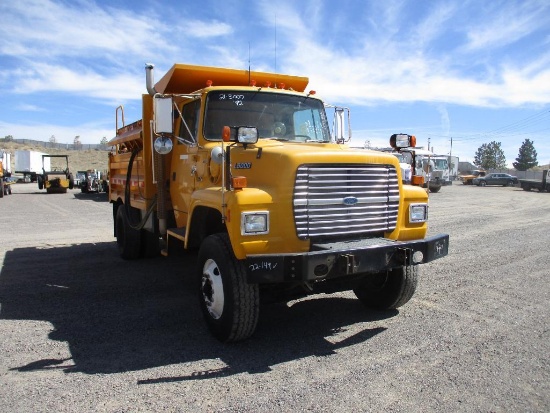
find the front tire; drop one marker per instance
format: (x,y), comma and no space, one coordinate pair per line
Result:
(128,239)
(483,183)
(389,289)
(230,305)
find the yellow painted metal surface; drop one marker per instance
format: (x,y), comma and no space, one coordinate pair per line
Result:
(182,78)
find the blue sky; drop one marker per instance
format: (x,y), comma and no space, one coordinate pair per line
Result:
(474,71)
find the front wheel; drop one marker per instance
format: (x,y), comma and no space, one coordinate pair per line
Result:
(230,305)
(483,183)
(389,289)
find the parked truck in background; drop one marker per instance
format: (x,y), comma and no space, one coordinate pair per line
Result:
(242,167)
(5,173)
(434,168)
(29,164)
(93,181)
(541,186)
(55,177)
(422,167)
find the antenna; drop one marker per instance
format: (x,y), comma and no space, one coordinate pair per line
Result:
(248,63)
(275,42)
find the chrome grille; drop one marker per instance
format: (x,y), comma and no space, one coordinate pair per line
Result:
(339,200)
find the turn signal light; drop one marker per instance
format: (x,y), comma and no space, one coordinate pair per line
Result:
(417,180)
(238,182)
(226,133)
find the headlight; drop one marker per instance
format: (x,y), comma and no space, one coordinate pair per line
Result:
(253,223)
(418,212)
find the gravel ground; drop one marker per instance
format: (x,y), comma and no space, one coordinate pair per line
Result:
(81,330)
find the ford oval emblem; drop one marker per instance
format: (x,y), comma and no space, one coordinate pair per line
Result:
(350,200)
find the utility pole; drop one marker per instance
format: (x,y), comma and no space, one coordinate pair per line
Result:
(450,156)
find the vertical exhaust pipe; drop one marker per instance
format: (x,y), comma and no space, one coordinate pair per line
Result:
(149,78)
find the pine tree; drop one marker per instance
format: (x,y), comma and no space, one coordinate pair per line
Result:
(527,157)
(490,156)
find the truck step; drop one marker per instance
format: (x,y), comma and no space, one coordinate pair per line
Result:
(177,233)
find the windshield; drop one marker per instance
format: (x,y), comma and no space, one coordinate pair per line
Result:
(441,164)
(276,116)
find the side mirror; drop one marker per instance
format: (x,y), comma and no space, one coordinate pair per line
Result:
(163,118)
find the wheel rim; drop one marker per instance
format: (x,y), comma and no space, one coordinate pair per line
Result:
(212,289)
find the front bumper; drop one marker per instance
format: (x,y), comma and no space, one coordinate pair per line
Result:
(338,259)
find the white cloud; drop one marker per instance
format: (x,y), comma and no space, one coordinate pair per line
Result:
(508,22)
(79,80)
(213,28)
(30,108)
(48,28)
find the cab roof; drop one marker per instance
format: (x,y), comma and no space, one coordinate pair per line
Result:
(183,78)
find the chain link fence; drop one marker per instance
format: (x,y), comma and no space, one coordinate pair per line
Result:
(66,146)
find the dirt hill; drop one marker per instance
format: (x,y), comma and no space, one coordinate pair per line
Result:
(79,160)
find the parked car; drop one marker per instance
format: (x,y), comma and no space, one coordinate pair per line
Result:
(495,179)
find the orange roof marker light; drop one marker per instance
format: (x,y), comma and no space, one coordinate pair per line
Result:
(282,85)
(253,82)
(208,83)
(268,83)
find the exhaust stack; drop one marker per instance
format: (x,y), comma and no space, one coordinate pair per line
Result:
(149,78)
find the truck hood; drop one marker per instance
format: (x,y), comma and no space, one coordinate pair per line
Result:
(269,162)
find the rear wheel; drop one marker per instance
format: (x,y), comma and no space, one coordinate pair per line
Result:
(389,289)
(127,238)
(40,182)
(230,305)
(2,188)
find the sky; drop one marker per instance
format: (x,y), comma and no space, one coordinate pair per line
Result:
(454,73)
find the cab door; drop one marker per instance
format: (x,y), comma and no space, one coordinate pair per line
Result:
(182,179)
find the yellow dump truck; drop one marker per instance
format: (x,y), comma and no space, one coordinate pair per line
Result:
(243,168)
